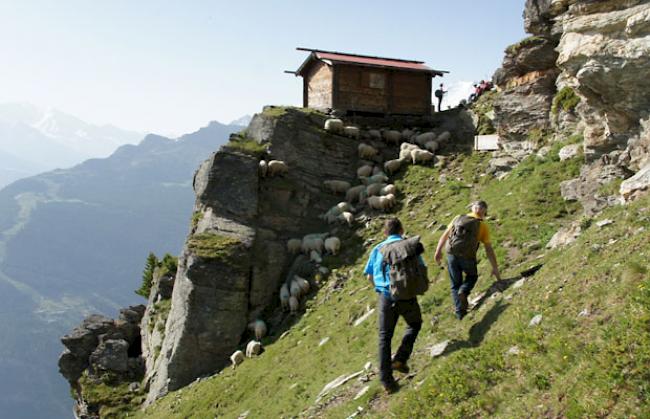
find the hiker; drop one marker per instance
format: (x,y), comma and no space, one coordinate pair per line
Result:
(397,258)
(462,239)
(440,92)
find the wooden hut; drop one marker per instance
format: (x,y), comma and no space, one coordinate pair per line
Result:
(365,85)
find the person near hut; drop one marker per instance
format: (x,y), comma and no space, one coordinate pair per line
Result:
(440,92)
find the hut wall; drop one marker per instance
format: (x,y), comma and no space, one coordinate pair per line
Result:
(318,84)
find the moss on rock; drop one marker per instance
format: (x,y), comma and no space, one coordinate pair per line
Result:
(213,246)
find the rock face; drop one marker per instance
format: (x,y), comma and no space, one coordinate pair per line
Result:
(235,258)
(583,71)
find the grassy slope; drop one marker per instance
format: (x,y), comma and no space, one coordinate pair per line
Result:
(569,365)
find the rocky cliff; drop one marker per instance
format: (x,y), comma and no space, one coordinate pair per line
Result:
(583,70)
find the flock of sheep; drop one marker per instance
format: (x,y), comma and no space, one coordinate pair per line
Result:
(374,191)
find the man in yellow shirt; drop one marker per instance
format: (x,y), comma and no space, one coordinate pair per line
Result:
(462,239)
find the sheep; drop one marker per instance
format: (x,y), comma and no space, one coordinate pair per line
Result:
(277,167)
(344,206)
(408,146)
(258,327)
(374,189)
(366,151)
(422,139)
(347,217)
(253,348)
(352,194)
(293,304)
(337,186)
(364,171)
(374,134)
(334,125)
(381,202)
(405,151)
(392,136)
(284,296)
(377,170)
(331,215)
(378,178)
(295,290)
(392,166)
(311,243)
(407,134)
(302,283)
(421,156)
(332,245)
(237,358)
(444,137)
(352,132)
(263,168)
(293,246)
(432,146)
(314,256)
(388,190)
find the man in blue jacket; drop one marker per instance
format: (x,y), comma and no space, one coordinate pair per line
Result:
(389,311)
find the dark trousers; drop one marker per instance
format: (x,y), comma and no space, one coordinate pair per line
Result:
(457,267)
(439,104)
(389,312)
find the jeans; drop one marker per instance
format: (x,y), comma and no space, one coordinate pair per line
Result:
(389,312)
(457,266)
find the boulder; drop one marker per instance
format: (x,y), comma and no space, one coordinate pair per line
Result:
(569,151)
(565,236)
(501,164)
(111,355)
(634,186)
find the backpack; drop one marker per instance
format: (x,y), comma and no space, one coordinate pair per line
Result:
(438,93)
(463,237)
(401,263)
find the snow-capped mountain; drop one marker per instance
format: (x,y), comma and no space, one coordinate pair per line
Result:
(45,139)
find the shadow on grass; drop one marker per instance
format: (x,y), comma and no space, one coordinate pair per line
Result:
(478,330)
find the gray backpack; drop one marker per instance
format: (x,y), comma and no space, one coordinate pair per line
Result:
(463,237)
(408,276)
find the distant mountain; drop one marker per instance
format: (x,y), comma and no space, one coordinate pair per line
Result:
(34,140)
(74,241)
(243,121)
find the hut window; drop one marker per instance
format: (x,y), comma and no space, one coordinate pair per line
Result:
(376,80)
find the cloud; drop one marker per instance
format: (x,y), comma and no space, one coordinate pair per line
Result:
(458,91)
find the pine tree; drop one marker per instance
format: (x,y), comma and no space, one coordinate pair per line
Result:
(147,275)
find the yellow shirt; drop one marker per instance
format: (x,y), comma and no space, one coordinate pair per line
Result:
(483,231)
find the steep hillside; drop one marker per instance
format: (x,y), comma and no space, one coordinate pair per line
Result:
(587,356)
(74,241)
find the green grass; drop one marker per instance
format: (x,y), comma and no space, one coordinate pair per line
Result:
(565,99)
(569,366)
(247,146)
(482,108)
(213,246)
(111,394)
(524,43)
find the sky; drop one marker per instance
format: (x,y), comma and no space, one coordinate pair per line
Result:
(169,67)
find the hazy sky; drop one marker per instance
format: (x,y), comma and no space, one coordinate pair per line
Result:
(172,66)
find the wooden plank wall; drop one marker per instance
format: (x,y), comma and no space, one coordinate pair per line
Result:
(319,86)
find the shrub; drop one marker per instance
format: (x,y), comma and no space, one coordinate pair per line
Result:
(566,99)
(526,42)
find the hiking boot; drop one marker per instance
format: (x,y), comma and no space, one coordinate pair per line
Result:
(464,304)
(400,367)
(390,387)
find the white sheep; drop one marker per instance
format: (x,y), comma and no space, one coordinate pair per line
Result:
(374,189)
(388,190)
(293,246)
(374,134)
(312,243)
(421,156)
(408,146)
(263,168)
(392,136)
(337,186)
(352,194)
(253,348)
(378,178)
(284,296)
(277,167)
(334,125)
(258,327)
(295,290)
(347,217)
(315,257)
(302,283)
(237,358)
(294,304)
(344,206)
(405,151)
(444,137)
(432,146)
(332,245)
(364,171)
(367,151)
(352,132)
(422,139)
(331,215)
(392,166)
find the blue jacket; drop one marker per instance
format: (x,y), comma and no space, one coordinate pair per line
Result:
(374,266)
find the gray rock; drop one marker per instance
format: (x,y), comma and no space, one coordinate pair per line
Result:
(569,151)
(634,186)
(535,321)
(111,355)
(438,349)
(565,236)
